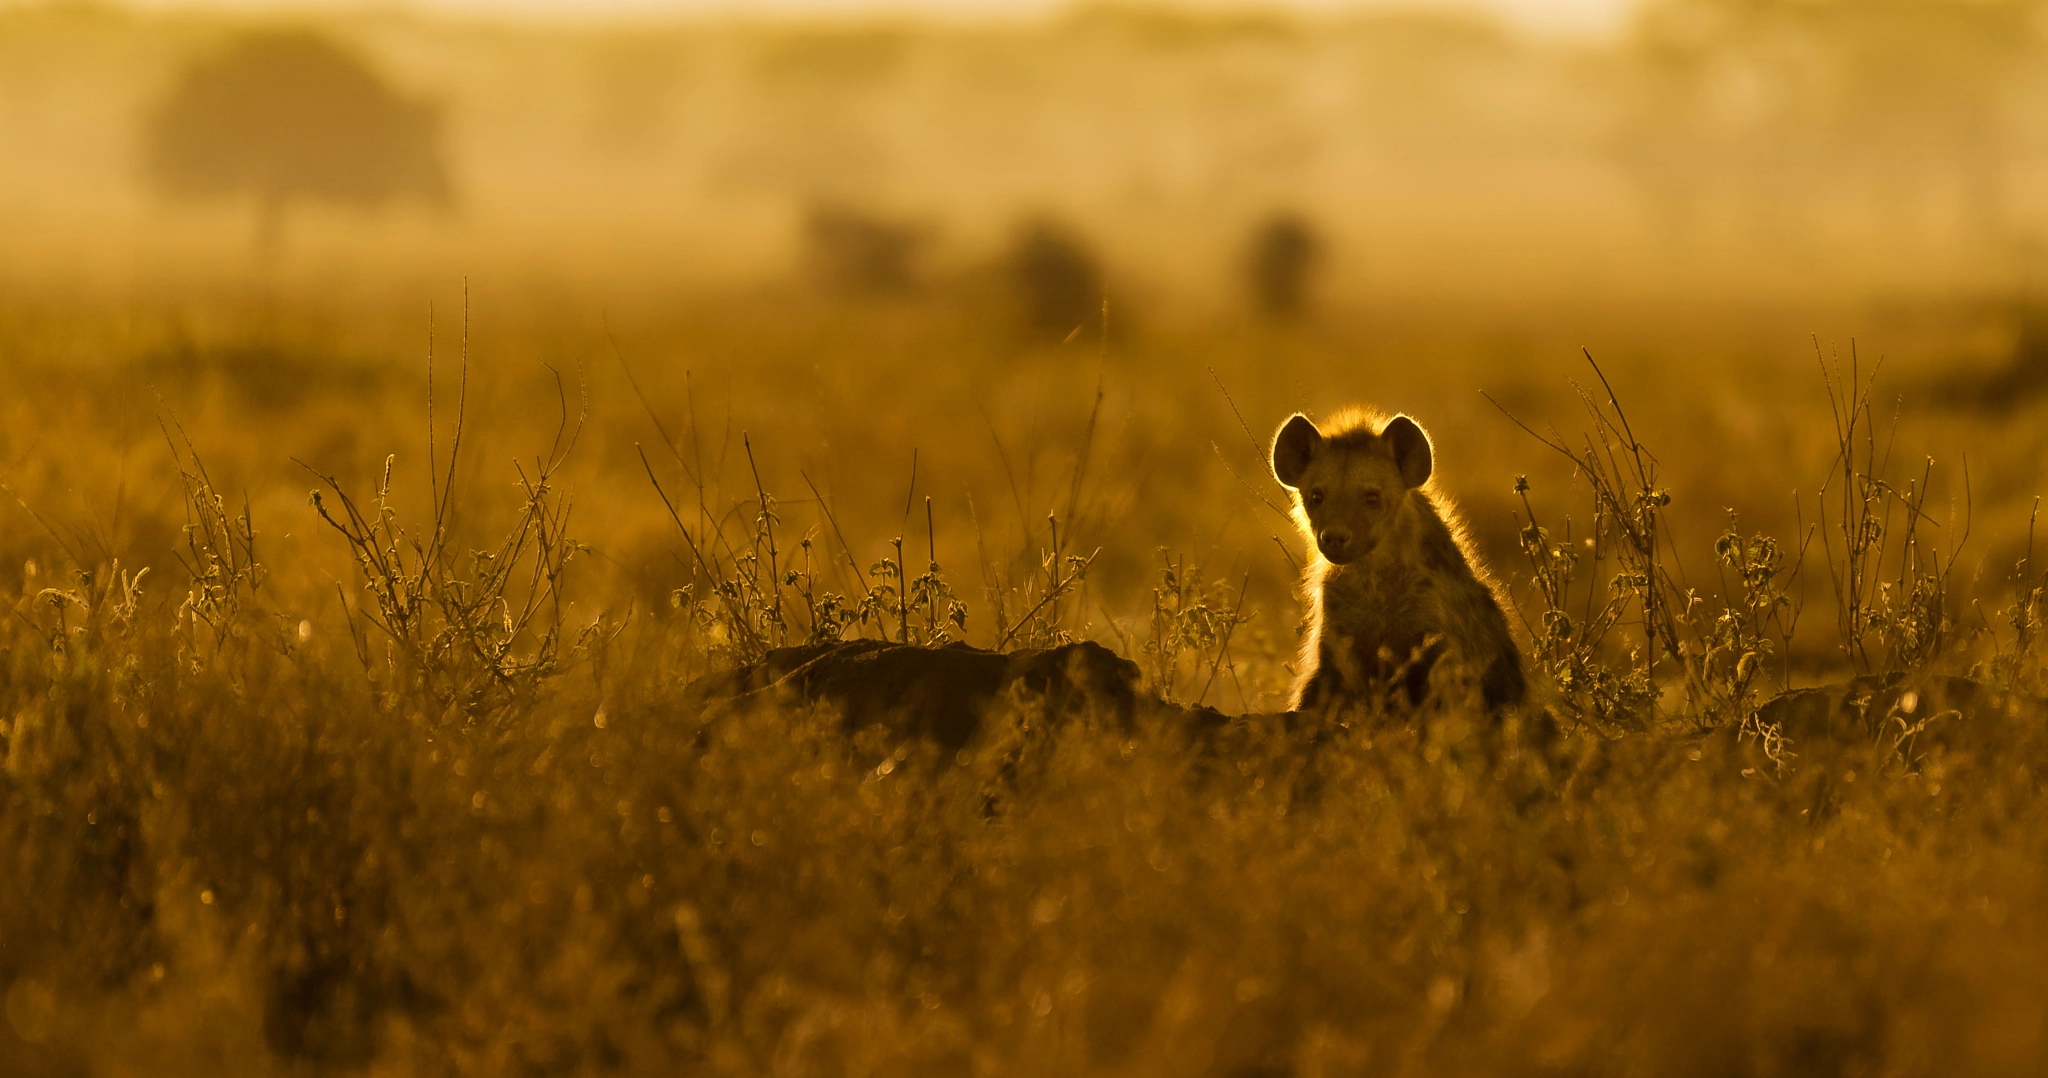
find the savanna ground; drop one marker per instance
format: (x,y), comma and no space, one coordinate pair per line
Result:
(256,824)
(401,777)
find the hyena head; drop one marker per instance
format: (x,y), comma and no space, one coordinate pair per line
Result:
(1349,484)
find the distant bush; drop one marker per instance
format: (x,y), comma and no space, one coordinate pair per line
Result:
(1280,264)
(290,116)
(2020,377)
(852,250)
(1056,278)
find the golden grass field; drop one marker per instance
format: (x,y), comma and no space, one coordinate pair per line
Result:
(253,822)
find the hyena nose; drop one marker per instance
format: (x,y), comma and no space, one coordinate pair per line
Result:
(1333,540)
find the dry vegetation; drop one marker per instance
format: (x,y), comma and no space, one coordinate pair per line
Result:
(399,778)
(343,723)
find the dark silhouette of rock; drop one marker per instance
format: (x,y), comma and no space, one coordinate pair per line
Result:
(289,116)
(1932,709)
(1816,739)
(946,695)
(937,693)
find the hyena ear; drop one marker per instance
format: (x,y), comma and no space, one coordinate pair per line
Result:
(1293,448)
(1411,449)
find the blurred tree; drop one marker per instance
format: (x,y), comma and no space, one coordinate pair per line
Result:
(286,116)
(1056,278)
(1280,264)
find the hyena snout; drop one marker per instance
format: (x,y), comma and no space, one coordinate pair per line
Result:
(1337,543)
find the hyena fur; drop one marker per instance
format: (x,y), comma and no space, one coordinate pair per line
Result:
(1394,589)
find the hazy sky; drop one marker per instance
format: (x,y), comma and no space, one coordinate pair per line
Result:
(1567,16)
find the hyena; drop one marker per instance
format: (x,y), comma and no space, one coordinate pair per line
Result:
(1393,585)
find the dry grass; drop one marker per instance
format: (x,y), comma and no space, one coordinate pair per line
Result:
(788,334)
(398,780)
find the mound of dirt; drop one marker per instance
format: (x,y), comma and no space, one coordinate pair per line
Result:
(1911,714)
(944,694)
(936,693)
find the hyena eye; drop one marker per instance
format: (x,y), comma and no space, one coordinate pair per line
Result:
(1372,499)
(1313,499)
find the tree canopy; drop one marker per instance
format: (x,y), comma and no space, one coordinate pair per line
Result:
(290,115)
